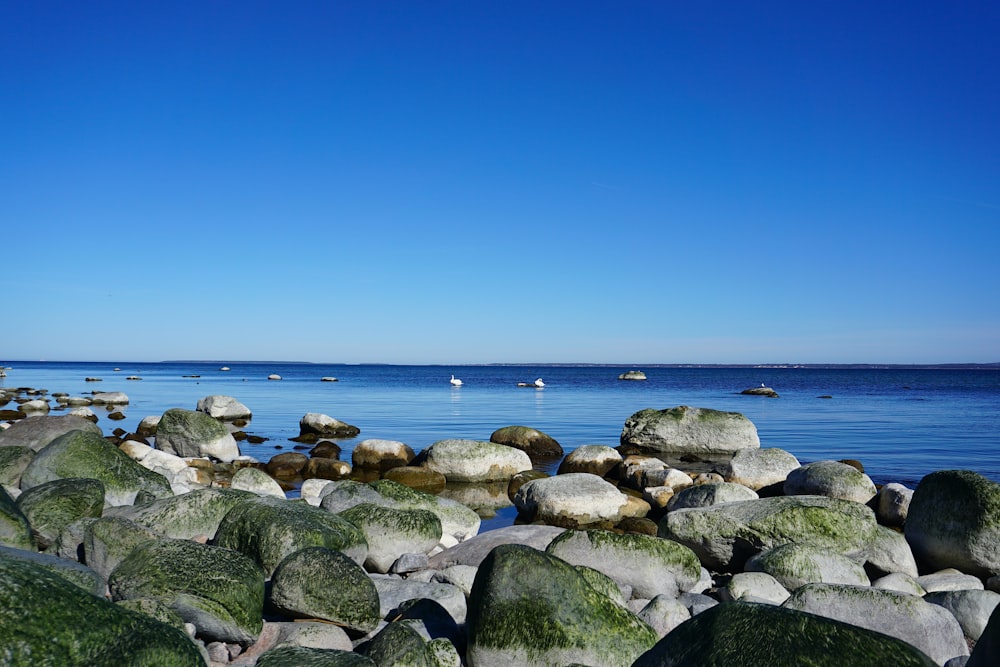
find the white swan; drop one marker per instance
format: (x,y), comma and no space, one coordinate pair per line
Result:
(455,382)
(538,383)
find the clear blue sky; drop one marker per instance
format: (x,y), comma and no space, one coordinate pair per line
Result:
(449,182)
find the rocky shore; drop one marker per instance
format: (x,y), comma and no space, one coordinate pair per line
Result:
(685,544)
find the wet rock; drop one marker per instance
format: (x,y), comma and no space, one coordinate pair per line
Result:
(689,430)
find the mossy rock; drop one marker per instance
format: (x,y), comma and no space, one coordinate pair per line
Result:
(52,506)
(461,460)
(188,515)
(81,575)
(302,656)
(268,529)
(528,607)
(109,540)
(392,532)
(192,433)
(954,521)
(742,634)
(15,530)
(154,609)
(457,520)
(49,621)
(533,442)
(37,432)
(88,455)
(689,430)
(219,590)
(322,583)
(651,566)
(417,478)
(794,565)
(13,460)
(399,645)
(725,536)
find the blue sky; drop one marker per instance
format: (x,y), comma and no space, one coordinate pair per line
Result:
(465,182)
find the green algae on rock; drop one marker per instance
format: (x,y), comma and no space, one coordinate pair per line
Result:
(302,656)
(689,430)
(52,506)
(15,530)
(391,532)
(184,516)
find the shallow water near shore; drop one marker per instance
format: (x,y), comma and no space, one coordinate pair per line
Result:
(901,423)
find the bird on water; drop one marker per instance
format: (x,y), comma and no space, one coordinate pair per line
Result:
(455,382)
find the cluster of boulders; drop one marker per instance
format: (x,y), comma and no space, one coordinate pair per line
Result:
(687,544)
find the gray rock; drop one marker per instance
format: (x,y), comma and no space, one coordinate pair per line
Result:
(399,644)
(530,608)
(37,432)
(725,536)
(457,521)
(317,582)
(381,455)
(324,425)
(632,375)
(649,565)
(394,593)
(794,565)
(704,495)
(475,460)
(225,408)
(755,586)
(109,540)
(529,440)
(743,634)
(954,521)
(81,575)
(571,500)
(689,430)
(109,398)
(310,635)
(889,552)
(757,468)
(473,551)
(84,454)
(832,479)
(218,590)
(925,626)
(186,516)
(664,613)
(949,580)
(392,532)
(188,433)
(972,608)
(13,460)
(596,459)
(987,652)
(893,504)
(899,582)
(256,481)
(52,506)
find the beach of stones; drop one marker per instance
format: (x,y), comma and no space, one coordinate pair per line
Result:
(688,543)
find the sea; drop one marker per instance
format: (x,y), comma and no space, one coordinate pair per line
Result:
(901,423)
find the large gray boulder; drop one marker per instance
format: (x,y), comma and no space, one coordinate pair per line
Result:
(268,529)
(572,500)
(757,468)
(705,495)
(830,478)
(972,608)
(457,521)
(47,620)
(474,551)
(928,627)
(189,433)
(954,521)
(220,591)
(15,531)
(649,565)
(889,552)
(197,513)
(794,565)
(689,430)
(475,461)
(392,532)
(394,593)
(225,408)
(725,536)
(530,608)
(321,425)
(742,634)
(52,506)
(317,582)
(596,459)
(85,454)
(109,540)
(399,644)
(37,432)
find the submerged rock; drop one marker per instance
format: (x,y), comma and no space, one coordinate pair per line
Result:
(632,375)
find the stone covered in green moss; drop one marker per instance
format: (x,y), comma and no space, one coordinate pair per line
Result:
(192,514)
(52,506)
(302,656)
(191,433)
(651,566)
(457,520)
(219,590)
(83,576)
(15,531)
(154,609)
(85,454)
(47,620)
(475,460)
(741,634)
(399,645)
(268,529)
(528,607)
(689,430)
(13,460)
(37,432)
(392,532)
(724,536)
(794,565)
(317,582)
(954,521)
(109,540)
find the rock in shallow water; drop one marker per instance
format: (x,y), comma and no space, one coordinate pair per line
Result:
(689,430)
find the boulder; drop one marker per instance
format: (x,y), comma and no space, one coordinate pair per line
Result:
(475,460)
(531,608)
(972,608)
(832,479)
(888,552)
(287,465)
(534,443)
(760,391)
(84,454)
(189,433)
(664,613)
(929,628)
(399,644)
(256,481)
(109,398)
(381,455)
(954,521)
(794,565)
(417,478)
(47,620)
(649,565)
(225,408)
(987,652)
(391,532)
(13,460)
(572,500)
(306,656)
(457,521)
(81,575)
(317,582)
(35,407)
(899,582)
(705,495)
(743,634)
(595,459)
(38,432)
(186,516)
(725,536)
(893,504)
(755,587)
(689,430)
(109,540)
(52,506)
(219,591)
(473,551)
(949,580)
(318,424)
(758,468)
(268,529)
(394,593)
(632,375)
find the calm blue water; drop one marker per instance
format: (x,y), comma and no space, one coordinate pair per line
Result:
(902,424)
